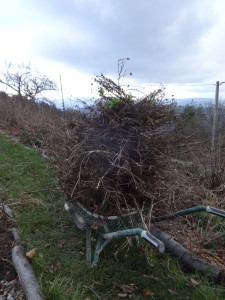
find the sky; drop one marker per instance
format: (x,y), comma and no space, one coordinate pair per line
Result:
(179,44)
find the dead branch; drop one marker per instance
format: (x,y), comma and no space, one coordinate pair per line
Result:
(191,262)
(26,275)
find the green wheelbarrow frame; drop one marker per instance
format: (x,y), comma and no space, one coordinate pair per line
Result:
(107,229)
(122,226)
(191,210)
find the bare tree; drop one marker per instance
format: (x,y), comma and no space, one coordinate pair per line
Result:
(25,82)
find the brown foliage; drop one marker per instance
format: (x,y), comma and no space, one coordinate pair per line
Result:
(21,115)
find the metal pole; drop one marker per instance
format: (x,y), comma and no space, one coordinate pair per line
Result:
(214,136)
(63,104)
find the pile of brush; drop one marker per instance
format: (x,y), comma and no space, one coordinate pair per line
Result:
(110,158)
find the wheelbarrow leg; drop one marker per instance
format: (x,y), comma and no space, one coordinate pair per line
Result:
(104,239)
(100,245)
(88,245)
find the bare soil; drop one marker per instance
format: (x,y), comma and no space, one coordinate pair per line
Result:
(9,282)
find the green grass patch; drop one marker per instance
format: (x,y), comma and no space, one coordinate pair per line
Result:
(27,183)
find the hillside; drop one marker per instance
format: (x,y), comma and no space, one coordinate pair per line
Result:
(181,179)
(28,187)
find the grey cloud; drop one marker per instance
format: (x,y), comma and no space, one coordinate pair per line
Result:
(161,37)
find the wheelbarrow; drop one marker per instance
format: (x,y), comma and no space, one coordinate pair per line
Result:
(122,226)
(108,228)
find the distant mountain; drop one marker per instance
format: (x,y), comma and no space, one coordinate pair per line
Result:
(80,104)
(194,101)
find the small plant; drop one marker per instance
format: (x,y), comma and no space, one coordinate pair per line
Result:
(114,103)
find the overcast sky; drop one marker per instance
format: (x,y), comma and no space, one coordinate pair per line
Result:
(173,42)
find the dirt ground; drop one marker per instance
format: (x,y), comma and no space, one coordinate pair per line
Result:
(9,282)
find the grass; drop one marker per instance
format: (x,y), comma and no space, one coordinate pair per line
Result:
(28,185)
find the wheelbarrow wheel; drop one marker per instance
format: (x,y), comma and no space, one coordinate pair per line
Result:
(79,221)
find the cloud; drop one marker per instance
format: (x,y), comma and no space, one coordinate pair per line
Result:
(168,41)
(162,38)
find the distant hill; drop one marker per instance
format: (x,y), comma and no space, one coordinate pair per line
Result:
(78,104)
(194,101)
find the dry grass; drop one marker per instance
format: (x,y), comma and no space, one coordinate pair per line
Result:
(18,115)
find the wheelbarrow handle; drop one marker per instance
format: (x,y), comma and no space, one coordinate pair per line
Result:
(147,236)
(215,211)
(151,239)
